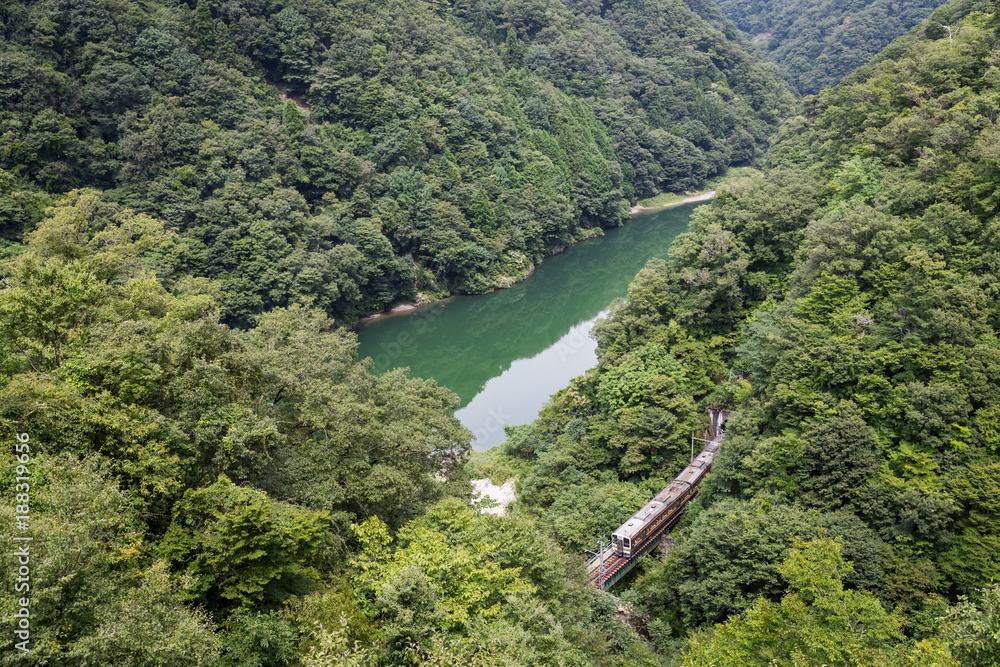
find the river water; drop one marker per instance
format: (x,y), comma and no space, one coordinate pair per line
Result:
(507,352)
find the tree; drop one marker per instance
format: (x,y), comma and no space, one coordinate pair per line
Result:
(840,456)
(481,213)
(237,547)
(149,626)
(513,48)
(648,411)
(859,179)
(972,628)
(461,585)
(88,594)
(203,31)
(731,556)
(291,119)
(818,621)
(936,417)
(973,561)
(850,240)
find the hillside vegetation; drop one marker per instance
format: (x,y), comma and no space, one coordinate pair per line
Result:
(195,198)
(818,43)
(846,307)
(347,155)
(214,477)
(197,494)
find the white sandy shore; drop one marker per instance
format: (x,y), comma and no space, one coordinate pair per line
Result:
(504,495)
(690,200)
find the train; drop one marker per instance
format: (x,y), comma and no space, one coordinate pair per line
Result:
(644,526)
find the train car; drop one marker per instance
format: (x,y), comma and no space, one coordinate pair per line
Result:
(645,524)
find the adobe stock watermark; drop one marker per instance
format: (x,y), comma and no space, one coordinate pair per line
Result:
(493,424)
(577,339)
(22,539)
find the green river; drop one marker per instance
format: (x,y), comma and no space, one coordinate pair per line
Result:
(507,352)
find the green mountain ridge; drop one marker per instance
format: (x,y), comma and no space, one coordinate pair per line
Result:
(818,43)
(844,306)
(443,147)
(210,476)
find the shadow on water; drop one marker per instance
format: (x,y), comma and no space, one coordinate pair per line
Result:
(531,334)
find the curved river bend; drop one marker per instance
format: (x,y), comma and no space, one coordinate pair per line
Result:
(507,352)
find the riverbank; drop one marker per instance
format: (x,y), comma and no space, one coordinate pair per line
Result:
(401,309)
(638,210)
(406,308)
(669,199)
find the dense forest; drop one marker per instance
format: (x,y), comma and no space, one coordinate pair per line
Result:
(203,495)
(846,307)
(195,200)
(343,156)
(818,43)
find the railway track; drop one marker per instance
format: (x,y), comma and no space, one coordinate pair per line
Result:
(640,534)
(611,565)
(613,562)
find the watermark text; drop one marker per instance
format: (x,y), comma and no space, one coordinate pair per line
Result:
(21,549)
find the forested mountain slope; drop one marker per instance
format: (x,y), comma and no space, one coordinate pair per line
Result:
(817,43)
(207,494)
(846,307)
(194,197)
(346,155)
(199,495)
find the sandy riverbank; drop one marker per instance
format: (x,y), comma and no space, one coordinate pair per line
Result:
(636,210)
(401,309)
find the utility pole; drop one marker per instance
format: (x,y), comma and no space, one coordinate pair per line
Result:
(692,445)
(600,563)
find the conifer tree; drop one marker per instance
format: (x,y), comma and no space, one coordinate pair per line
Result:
(204,29)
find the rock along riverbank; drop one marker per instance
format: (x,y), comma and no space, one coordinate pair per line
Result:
(501,495)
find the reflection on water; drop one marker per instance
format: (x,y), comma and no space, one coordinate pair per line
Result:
(515,396)
(505,353)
